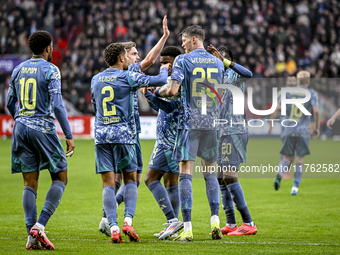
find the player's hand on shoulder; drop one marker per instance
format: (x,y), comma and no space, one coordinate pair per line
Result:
(214,51)
(70,147)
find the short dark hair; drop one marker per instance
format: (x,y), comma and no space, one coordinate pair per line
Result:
(38,41)
(128,45)
(170,51)
(112,53)
(194,30)
(226,52)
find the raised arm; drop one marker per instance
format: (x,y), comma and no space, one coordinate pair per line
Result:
(166,106)
(244,72)
(138,80)
(156,50)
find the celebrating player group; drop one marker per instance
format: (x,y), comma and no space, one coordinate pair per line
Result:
(187,99)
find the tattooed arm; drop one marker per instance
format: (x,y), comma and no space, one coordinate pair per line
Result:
(168,90)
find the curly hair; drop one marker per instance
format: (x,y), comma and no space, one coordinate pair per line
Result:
(194,30)
(128,45)
(38,41)
(112,53)
(226,52)
(170,51)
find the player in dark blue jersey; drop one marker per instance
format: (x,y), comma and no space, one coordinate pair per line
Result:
(161,164)
(35,85)
(233,147)
(197,72)
(112,94)
(135,65)
(297,136)
(291,82)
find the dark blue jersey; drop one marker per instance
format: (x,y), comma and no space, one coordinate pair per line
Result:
(35,84)
(113,92)
(198,72)
(167,121)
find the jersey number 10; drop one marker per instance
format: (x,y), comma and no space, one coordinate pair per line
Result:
(25,95)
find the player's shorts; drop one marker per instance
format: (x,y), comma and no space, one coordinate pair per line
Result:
(139,156)
(232,151)
(34,150)
(192,143)
(292,144)
(161,161)
(115,157)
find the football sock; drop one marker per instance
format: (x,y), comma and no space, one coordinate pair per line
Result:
(109,202)
(214,218)
(120,194)
(283,167)
(52,201)
(29,197)
(236,192)
(117,186)
(228,204)
(187,226)
(186,196)
(116,189)
(213,192)
(298,174)
(162,198)
(128,220)
(174,198)
(115,228)
(31,239)
(130,200)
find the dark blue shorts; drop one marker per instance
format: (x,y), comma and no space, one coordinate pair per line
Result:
(139,156)
(115,157)
(34,150)
(161,161)
(292,144)
(192,143)
(232,150)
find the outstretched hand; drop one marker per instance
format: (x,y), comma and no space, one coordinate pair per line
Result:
(215,52)
(166,31)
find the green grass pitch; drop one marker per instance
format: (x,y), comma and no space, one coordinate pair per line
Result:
(304,224)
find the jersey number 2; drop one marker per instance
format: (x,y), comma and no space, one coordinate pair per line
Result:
(108,99)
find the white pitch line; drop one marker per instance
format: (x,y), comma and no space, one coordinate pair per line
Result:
(214,242)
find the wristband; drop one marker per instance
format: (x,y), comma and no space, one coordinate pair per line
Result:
(157,93)
(226,62)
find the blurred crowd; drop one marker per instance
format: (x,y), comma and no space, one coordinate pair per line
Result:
(272,38)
